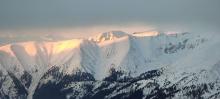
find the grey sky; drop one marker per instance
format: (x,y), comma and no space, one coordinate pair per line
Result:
(162,14)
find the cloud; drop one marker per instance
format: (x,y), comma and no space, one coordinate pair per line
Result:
(194,15)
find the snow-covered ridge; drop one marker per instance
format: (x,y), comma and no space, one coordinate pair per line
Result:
(134,54)
(37,57)
(111,35)
(115,48)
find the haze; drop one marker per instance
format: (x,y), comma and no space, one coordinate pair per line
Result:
(80,18)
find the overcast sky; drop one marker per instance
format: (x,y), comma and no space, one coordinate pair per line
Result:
(185,15)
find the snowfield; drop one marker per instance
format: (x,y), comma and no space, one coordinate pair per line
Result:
(113,65)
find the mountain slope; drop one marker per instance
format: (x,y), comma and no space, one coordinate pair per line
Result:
(113,65)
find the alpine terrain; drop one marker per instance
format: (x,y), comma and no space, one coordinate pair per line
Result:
(113,65)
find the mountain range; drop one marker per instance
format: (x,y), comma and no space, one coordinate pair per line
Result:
(113,65)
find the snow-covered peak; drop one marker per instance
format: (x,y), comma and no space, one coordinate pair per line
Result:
(109,36)
(132,54)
